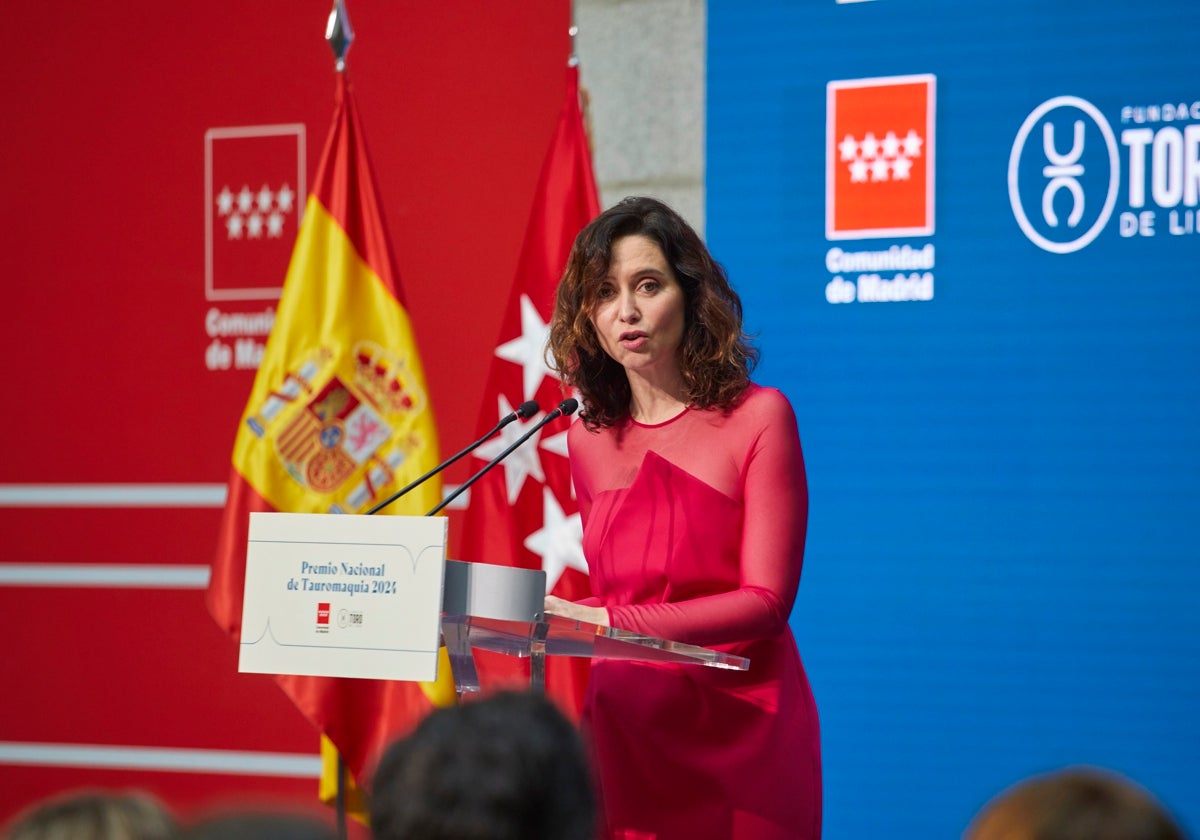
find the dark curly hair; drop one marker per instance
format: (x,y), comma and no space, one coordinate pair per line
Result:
(507,767)
(715,355)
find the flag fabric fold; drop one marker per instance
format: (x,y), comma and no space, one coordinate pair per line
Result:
(524,513)
(337,419)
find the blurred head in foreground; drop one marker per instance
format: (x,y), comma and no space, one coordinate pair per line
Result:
(260,825)
(96,815)
(508,767)
(1079,803)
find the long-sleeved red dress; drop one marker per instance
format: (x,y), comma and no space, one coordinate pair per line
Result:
(694,532)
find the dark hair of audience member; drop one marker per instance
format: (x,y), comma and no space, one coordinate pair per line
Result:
(1079,803)
(259,825)
(96,815)
(507,767)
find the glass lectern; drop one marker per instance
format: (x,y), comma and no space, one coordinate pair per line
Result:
(499,609)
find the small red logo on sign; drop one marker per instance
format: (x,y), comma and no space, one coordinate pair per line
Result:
(879,157)
(322,613)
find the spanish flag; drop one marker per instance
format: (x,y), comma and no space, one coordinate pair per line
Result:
(338,418)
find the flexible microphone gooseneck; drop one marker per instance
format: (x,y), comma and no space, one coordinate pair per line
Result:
(524,411)
(565,409)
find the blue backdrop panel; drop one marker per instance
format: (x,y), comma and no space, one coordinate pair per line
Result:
(1002,572)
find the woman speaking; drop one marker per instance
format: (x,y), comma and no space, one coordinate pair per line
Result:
(692,492)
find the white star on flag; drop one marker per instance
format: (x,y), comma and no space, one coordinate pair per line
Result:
(559,542)
(524,462)
(556,444)
(528,350)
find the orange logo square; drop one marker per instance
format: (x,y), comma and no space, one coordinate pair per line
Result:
(879,157)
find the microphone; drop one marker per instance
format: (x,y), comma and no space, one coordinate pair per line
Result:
(565,409)
(524,411)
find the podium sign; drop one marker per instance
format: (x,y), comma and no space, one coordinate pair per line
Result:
(343,595)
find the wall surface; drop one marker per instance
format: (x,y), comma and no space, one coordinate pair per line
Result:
(643,64)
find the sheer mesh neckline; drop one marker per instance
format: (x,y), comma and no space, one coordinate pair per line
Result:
(666,422)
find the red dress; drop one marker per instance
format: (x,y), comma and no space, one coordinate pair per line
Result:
(694,531)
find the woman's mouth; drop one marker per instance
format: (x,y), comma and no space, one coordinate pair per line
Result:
(633,340)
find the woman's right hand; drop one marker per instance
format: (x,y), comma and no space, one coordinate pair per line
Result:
(578,612)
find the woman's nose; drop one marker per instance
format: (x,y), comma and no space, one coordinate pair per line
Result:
(629,312)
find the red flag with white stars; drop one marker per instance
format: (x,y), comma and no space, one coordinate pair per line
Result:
(523,513)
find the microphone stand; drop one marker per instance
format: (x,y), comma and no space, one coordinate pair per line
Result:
(524,410)
(565,408)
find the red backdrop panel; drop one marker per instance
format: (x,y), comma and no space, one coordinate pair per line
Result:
(106,318)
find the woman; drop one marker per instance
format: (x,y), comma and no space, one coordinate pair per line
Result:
(691,487)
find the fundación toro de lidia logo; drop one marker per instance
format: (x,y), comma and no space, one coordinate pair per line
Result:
(1071,176)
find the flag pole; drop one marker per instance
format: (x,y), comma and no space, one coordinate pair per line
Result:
(340,35)
(573,61)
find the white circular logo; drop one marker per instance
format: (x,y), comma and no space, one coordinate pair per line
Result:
(1055,178)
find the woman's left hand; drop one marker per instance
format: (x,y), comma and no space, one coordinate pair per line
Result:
(578,612)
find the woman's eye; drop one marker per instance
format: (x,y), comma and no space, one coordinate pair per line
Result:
(604,293)
(650,286)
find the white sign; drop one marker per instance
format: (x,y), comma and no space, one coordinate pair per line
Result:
(343,595)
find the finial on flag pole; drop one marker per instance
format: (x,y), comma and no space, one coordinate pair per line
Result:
(573,61)
(339,33)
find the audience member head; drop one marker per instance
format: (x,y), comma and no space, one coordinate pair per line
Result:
(260,825)
(715,356)
(507,767)
(96,815)
(1080,803)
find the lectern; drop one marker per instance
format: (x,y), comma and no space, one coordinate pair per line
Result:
(369,597)
(499,609)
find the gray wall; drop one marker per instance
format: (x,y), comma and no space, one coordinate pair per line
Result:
(642,65)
